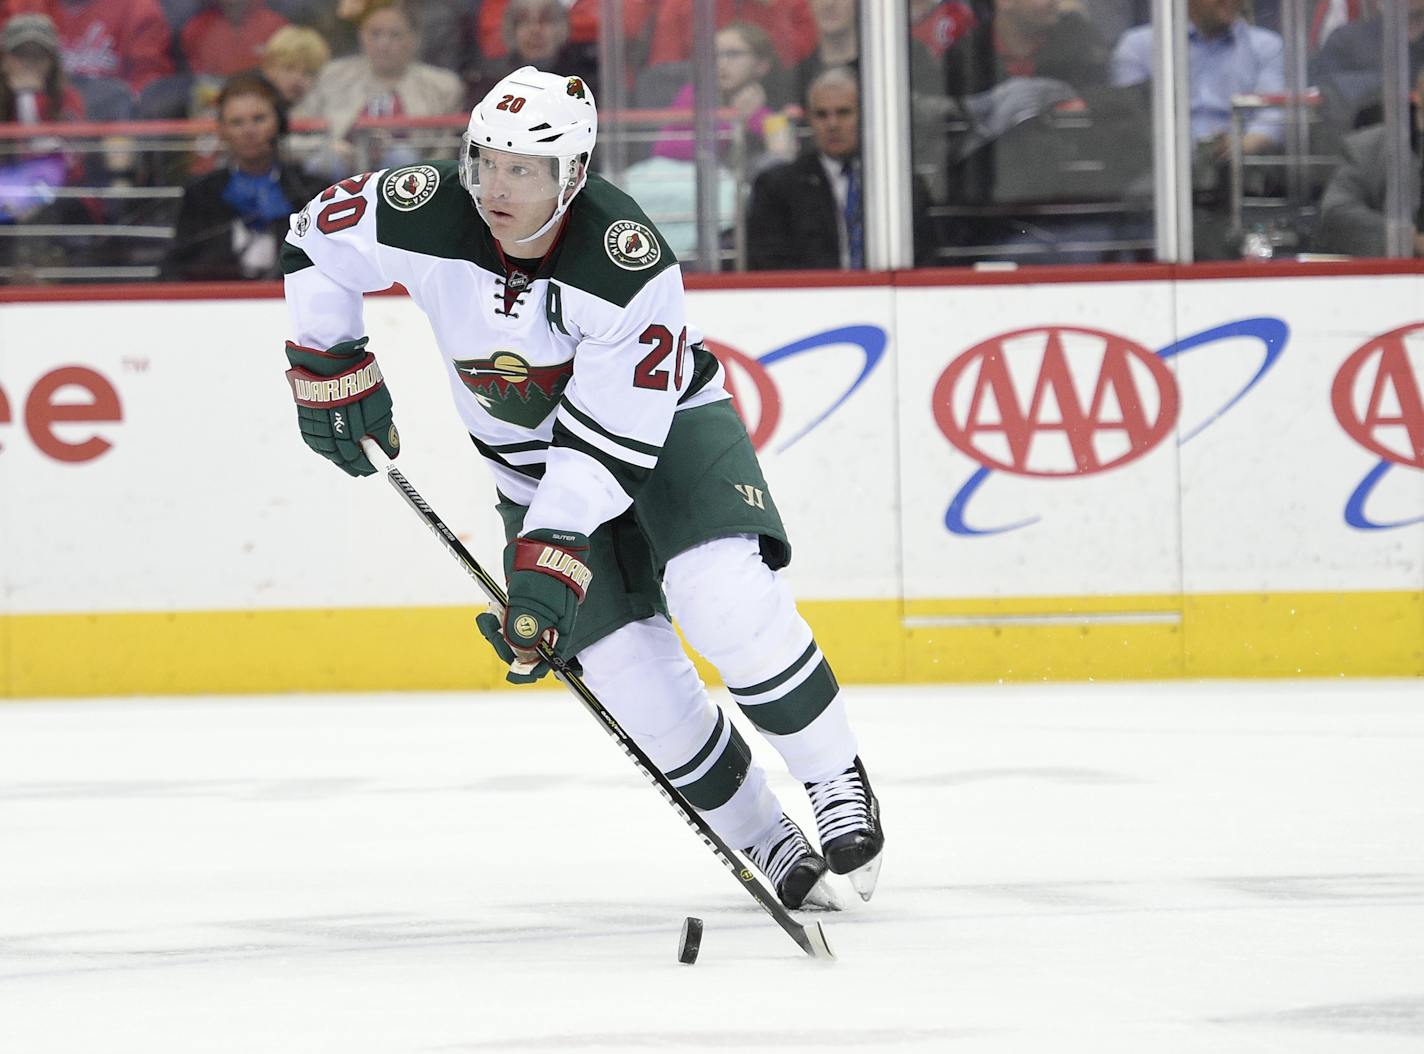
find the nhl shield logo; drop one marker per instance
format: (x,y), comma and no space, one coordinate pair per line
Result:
(632,246)
(407,189)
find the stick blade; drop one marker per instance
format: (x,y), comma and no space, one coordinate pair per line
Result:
(816,944)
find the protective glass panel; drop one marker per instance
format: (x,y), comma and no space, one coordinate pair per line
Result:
(722,171)
(1032,131)
(1361,127)
(1269,113)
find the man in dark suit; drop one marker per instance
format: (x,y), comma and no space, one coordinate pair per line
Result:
(809,213)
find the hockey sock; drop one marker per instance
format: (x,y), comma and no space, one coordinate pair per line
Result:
(740,615)
(643,676)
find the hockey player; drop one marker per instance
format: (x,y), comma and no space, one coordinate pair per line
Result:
(624,474)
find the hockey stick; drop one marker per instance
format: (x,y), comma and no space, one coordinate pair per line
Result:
(812,938)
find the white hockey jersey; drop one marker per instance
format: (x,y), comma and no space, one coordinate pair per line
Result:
(567,379)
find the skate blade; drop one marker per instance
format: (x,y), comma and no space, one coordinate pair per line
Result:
(863,878)
(821,897)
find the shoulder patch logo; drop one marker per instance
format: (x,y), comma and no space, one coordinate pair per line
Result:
(407,189)
(302,223)
(632,246)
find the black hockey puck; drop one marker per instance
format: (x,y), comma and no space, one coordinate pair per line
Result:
(687,948)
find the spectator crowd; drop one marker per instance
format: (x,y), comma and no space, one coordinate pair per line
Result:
(1031,120)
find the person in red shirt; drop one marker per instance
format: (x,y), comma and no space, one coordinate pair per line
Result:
(126,40)
(787,22)
(228,36)
(937,24)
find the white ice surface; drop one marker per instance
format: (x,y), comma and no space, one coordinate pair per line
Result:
(1136,868)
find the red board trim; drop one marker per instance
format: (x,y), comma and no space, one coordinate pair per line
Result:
(928,278)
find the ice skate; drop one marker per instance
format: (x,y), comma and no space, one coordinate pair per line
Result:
(848,822)
(796,871)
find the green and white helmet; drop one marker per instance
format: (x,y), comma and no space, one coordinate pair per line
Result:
(539,114)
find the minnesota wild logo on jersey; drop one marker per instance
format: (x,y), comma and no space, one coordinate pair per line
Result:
(406,189)
(512,390)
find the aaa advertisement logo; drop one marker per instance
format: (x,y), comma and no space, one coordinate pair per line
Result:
(1130,405)
(1378,398)
(1055,401)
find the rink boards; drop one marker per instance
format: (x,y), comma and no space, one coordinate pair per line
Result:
(1145,477)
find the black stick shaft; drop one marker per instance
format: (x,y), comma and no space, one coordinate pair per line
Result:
(811,940)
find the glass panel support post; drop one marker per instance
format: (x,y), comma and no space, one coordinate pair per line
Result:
(1399,240)
(1171,133)
(612,95)
(705,105)
(885,134)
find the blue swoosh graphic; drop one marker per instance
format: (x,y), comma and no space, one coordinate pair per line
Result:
(871,340)
(1355,514)
(1272,332)
(954,515)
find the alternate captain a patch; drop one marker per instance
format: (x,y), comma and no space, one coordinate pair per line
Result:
(632,246)
(512,390)
(406,189)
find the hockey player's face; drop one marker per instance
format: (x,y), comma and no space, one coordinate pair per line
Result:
(517,192)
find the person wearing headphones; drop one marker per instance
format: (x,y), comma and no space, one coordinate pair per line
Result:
(232,221)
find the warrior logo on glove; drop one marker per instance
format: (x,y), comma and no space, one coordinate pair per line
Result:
(334,391)
(341,398)
(565,564)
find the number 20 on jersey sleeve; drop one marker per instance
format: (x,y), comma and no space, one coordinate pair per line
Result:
(647,374)
(342,212)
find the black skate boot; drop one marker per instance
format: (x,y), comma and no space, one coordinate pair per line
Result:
(848,821)
(795,869)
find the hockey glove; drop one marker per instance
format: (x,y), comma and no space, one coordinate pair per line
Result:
(492,629)
(548,577)
(341,397)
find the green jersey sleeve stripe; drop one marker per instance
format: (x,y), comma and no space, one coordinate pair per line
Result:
(651,449)
(629,477)
(294,259)
(534,471)
(583,426)
(519,448)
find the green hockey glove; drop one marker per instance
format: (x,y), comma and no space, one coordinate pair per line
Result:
(492,630)
(342,397)
(548,577)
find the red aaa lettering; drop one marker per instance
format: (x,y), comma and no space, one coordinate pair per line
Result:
(1116,405)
